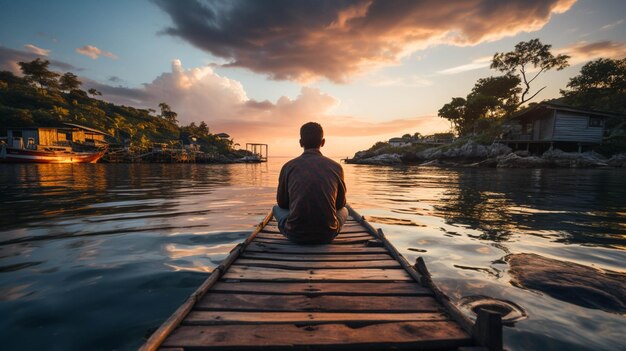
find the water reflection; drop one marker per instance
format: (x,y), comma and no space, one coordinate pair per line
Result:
(116,248)
(569,206)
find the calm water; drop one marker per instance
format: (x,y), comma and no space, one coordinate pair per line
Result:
(95,256)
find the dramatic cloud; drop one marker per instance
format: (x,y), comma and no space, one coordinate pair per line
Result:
(585,51)
(200,94)
(36,50)
(94,52)
(9,59)
(304,40)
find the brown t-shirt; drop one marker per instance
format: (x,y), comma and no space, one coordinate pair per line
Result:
(312,187)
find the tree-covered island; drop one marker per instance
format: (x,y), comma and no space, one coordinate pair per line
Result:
(497,124)
(44,98)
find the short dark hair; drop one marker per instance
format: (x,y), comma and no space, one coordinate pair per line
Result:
(311,135)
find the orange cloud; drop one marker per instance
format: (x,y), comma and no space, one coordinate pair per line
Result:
(583,51)
(36,50)
(94,52)
(302,40)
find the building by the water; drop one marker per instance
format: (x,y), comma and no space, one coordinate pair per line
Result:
(551,125)
(71,143)
(52,137)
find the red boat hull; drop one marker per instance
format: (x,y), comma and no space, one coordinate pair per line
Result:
(11,155)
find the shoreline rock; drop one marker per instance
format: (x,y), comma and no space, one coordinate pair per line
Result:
(472,154)
(570,282)
(381,160)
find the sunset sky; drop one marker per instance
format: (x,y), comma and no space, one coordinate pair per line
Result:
(366,70)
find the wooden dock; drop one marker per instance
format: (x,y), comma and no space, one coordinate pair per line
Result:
(356,293)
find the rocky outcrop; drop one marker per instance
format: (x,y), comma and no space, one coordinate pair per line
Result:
(473,154)
(469,150)
(568,281)
(384,159)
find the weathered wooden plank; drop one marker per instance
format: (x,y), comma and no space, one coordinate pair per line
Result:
(350,243)
(318,265)
(362,240)
(323,288)
(156,339)
(318,303)
(353,231)
(276,274)
(313,249)
(349,224)
(352,224)
(396,335)
(312,257)
(338,237)
(227,317)
(345,230)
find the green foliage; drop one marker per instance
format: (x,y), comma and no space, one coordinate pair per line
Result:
(379,145)
(22,105)
(37,71)
(93,92)
(168,114)
(58,99)
(69,81)
(601,85)
(528,55)
(495,98)
(491,98)
(382,147)
(196,130)
(443,136)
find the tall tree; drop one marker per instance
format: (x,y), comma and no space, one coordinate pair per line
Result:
(203,128)
(69,81)
(491,99)
(37,71)
(494,97)
(528,56)
(167,113)
(454,111)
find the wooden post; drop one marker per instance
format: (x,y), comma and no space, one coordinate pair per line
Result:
(488,329)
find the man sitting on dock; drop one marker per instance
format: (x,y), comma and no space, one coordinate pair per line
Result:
(311,193)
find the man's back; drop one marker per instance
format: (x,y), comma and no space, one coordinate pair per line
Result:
(312,187)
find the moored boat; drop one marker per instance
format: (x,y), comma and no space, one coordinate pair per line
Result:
(48,155)
(69,144)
